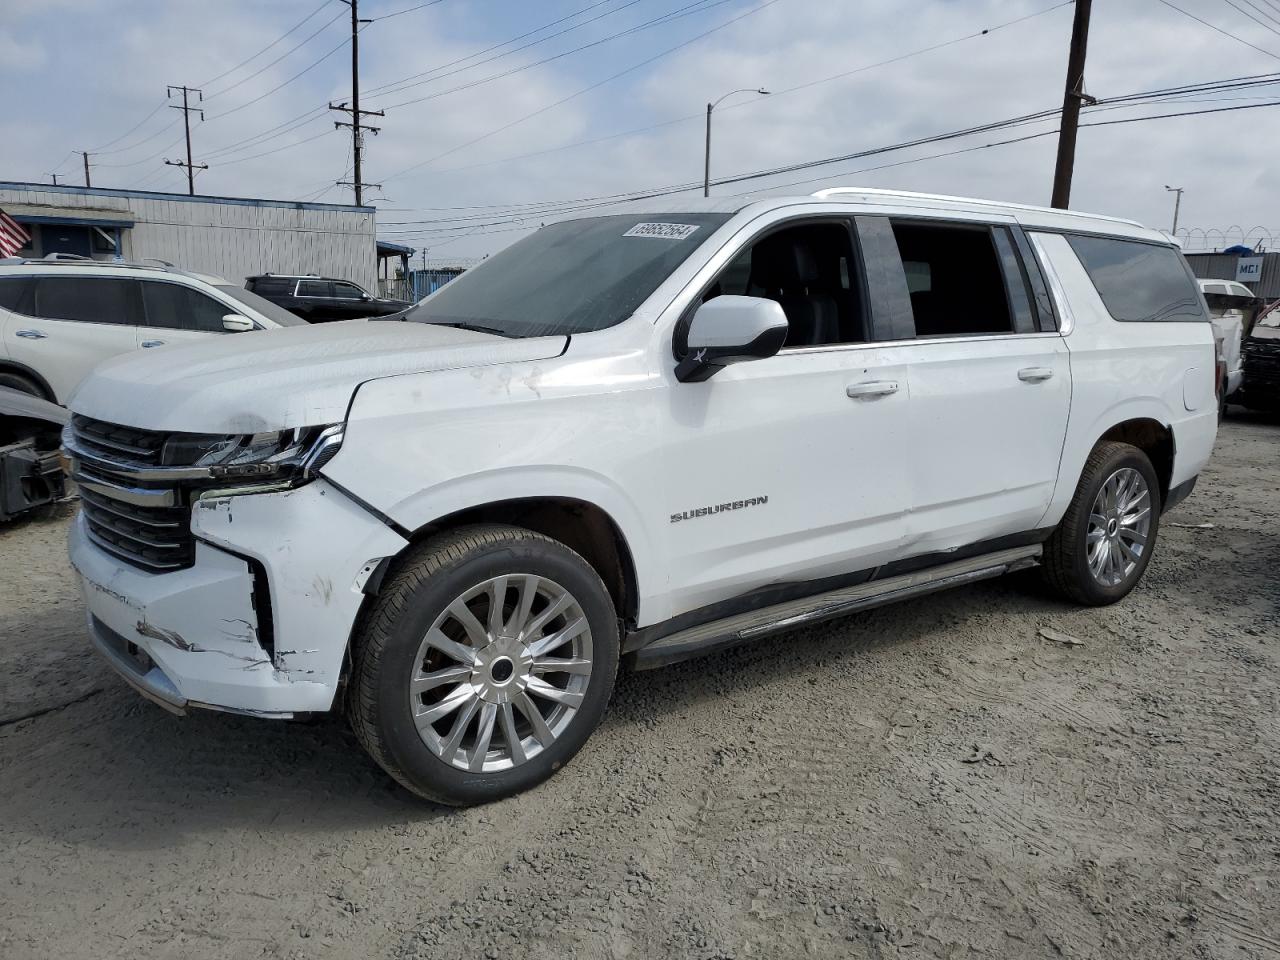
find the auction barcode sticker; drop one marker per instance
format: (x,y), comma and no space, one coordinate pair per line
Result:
(662,231)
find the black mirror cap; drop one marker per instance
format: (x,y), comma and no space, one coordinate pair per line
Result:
(705,362)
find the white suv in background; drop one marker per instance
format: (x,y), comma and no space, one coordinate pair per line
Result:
(60,317)
(1230,304)
(634,437)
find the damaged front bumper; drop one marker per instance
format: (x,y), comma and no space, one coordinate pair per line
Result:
(259,624)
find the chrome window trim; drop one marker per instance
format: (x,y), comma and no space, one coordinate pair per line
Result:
(1066,321)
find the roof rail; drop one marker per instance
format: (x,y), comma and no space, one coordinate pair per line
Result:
(837,192)
(75,260)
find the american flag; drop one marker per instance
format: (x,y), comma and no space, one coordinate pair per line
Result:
(13,235)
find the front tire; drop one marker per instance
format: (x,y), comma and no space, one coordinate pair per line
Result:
(486,661)
(1102,547)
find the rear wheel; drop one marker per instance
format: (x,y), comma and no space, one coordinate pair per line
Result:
(485,664)
(1103,544)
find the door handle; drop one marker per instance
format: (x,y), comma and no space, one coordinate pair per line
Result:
(153,343)
(1034,374)
(30,334)
(871,388)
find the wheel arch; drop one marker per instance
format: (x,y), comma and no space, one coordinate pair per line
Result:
(22,370)
(584,527)
(1153,438)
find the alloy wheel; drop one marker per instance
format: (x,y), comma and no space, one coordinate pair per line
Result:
(501,673)
(1119,525)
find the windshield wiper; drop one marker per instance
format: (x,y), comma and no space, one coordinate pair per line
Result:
(467,325)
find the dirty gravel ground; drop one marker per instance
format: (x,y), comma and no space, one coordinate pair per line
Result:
(929,780)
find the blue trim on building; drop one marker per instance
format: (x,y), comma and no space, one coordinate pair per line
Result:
(73,221)
(182,197)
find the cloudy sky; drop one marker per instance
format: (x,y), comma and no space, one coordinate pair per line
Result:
(480,124)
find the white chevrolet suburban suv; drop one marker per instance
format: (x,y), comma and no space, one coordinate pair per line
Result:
(634,437)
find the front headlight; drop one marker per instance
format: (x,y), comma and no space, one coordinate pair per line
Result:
(296,454)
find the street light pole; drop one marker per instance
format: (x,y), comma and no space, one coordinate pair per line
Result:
(706,164)
(1177,203)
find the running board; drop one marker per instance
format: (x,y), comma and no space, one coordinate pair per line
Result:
(745,627)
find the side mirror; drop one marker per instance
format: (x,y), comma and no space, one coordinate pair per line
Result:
(234,323)
(729,330)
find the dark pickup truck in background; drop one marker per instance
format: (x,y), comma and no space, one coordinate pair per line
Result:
(1261,389)
(319,299)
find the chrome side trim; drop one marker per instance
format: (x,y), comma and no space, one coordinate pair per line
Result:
(745,627)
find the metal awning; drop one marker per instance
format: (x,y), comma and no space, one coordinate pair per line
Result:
(388,249)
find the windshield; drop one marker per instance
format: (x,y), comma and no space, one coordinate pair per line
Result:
(571,277)
(265,307)
(1272,319)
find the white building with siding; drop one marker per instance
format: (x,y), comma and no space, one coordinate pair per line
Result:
(231,237)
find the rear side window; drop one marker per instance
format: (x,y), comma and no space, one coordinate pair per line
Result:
(347,291)
(181,308)
(313,288)
(88,299)
(1139,282)
(266,285)
(955,280)
(13,293)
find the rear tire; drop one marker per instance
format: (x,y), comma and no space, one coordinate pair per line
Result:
(486,661)
(1105,540)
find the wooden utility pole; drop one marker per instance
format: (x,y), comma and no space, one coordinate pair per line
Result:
(357,128)
(187,110)
(1071,101)
(84,154)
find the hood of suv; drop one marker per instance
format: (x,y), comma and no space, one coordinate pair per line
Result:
(277,379)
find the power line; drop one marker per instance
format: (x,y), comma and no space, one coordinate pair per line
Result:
(569,206)
(479,53)
(280,86)
(109,143)
(398,13)
(1225,33)
(296,26)
(287,146)
(407,83)
(692,9)
(288,53)
(775,94)
(1253,16)
(587,89)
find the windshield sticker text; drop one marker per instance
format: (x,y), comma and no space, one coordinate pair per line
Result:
(662,231)
(718,508)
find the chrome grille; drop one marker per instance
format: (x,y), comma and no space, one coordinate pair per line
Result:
(111,441)
(155,538)
(1261,362)
(144,524)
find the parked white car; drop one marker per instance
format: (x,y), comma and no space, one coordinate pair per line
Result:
(635,436)
(60,317)
(1229,304)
